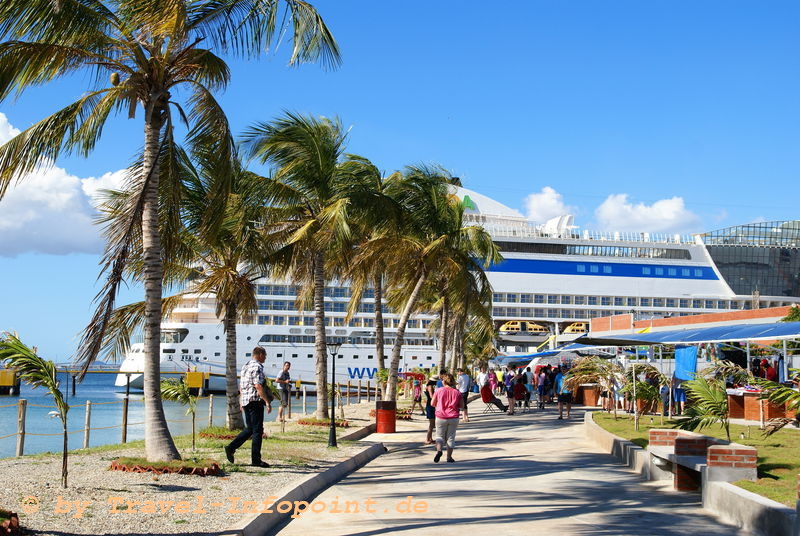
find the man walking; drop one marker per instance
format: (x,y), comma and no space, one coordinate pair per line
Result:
(284,382)
(253,397)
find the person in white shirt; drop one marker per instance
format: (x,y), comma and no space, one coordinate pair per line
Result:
(483,377)
(462,384)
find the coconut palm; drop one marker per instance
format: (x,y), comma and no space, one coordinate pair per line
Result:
(433,240)
(140,53)
(308,209)
(373,214)
(223,260)
(39,373)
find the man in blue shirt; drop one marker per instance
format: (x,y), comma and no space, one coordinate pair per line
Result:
(564,394)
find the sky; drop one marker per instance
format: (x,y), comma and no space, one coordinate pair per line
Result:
(662,116)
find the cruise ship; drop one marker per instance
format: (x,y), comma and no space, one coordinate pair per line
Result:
(553,280)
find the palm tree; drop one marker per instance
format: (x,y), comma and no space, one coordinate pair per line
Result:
(146,51)
(432,241)
(709,405)
(39,373)
(222,261)
(374,214)
(595,369)
(307,209)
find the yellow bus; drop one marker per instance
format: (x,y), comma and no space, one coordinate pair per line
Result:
(522,326)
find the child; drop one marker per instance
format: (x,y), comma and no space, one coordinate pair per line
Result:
(417,393)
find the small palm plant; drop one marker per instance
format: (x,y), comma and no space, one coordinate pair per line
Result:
(779,394)
(595,369)
(39,373)
(176,390)
(709,405)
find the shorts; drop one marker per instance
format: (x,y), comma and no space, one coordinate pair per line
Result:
(284,397)
(565,398)
(446,431)
(464,397)
(541,390)
(679,395)
(430,412)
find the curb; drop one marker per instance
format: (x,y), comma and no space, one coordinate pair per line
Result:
(264,523)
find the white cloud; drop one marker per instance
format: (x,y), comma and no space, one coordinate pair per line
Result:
(50,210)
(6,130)
(545,205)
(616,213)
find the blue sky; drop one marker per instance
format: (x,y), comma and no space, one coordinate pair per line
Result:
(675,116)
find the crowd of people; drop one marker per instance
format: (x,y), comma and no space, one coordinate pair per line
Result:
(446,398)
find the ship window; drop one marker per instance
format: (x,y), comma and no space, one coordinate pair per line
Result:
(201,337)
(340,356)
(279,355)
(698,272)
(169,350)
(672,271)
(185,351)
(538,298)
(618,302)
(684,304)
(709,304)
(355,357)
(310,355)
(658,302)
(580,300)
(370,357)
(670,302)
(248,354)
(593,268)
(592,300)
(685,272)
(644,302)
(429,358)
(552,299)
(659,271)
(413,358)
(198,351)
(645,270)
(294,355)
(169,358)
(217,337)
(605,300)
(526,298)
(249,337)
(216,354)
(697,304)
(606,269)
(581,268)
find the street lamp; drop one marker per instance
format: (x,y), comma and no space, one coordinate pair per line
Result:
(333,347)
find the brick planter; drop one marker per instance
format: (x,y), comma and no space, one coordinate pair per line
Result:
(752,408)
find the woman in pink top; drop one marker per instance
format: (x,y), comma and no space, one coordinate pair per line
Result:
(448,401)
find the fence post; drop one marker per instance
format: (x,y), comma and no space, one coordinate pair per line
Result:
(305,407)
(289,405)
(358,393)
(87,422)
(125,419)
(369,393)
(348,392)
(211,410)
(21,411)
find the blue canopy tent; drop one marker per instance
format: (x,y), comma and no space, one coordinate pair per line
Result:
(734,332)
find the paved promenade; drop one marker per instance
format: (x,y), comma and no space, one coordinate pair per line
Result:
(526,474)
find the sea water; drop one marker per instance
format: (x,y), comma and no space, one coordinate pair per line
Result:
(106,415)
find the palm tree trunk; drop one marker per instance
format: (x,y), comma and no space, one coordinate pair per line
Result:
(379,335)
(321,347)
(391,387)
(159,445)
(443,319)
(234,419)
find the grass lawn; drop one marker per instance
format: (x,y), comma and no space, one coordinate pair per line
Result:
(778,455)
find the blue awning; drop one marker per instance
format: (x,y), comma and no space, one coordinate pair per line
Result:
(733,332)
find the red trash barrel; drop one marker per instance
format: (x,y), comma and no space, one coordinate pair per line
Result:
(386,415)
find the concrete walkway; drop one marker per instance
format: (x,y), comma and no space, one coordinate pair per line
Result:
(526,474)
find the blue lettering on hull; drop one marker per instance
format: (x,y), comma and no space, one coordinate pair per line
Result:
(359,373)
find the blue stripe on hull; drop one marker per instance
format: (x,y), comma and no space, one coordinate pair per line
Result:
(604,269)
